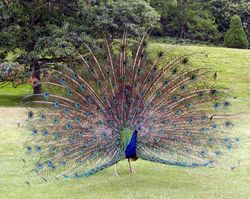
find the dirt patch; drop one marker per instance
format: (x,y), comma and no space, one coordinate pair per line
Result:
(11,117)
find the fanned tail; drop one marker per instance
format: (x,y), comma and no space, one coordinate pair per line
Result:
(79,123)
(186,122)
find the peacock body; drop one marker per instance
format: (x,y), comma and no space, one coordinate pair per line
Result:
(119,104)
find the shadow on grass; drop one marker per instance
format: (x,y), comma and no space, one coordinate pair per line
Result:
(10,96)
(10,100)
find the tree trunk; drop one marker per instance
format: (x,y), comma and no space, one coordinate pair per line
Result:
(36,74)
(181,7)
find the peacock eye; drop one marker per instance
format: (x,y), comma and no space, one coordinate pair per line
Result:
(30,114)
(185,60)
(193,77)
(148,80)
(160,54)
(63,163)
(46,95)
(29,149)
(213,91)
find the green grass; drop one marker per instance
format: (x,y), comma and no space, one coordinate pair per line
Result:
(232,66)
(150,180)
(10,96)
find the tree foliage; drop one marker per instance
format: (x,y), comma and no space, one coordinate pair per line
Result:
(186,19)
(11,73)
(40,32)
(224,10)
(236,37)
(201,26)
(51,31)
(206,20)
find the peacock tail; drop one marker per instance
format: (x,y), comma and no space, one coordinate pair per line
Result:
(84,120)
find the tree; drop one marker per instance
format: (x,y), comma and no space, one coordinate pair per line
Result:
(224,10)
(165,10)
(201,25)
(50,31)
(113,17)
(236,37)
(186,19)
(182,8)
(24,23)
(11,73)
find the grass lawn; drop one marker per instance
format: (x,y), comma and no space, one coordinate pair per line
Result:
(150,180)
(10,96)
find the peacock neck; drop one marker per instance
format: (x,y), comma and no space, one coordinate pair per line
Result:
(129,143)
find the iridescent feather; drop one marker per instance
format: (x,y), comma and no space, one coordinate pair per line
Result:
(86,116)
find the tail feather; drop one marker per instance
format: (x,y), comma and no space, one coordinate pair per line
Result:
(76,125)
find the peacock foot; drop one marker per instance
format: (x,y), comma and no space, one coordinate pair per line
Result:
(115,174)
(131,171)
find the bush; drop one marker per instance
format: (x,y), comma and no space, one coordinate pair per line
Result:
(236,37)
(201,26)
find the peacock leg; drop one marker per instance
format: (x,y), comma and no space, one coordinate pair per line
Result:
(130,168)
(115,172)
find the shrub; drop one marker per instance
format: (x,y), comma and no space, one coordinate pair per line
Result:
(236,37)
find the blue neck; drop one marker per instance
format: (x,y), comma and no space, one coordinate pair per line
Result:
(130,151)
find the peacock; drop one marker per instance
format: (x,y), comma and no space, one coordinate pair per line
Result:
(120,103)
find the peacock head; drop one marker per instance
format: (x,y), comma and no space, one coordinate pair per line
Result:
(127,133)
(138,128)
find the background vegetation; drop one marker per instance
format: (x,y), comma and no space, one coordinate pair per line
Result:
(236,37)
(34,33)
(206,20)
(150,180)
